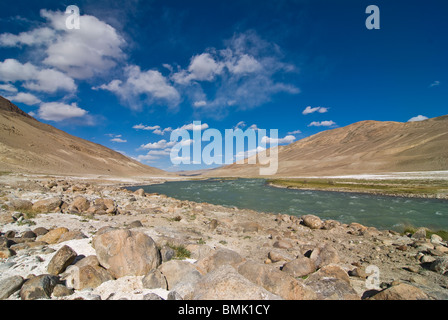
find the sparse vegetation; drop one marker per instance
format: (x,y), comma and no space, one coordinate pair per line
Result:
(441,233)
(181,252)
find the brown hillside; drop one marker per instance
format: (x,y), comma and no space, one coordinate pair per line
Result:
(29,146)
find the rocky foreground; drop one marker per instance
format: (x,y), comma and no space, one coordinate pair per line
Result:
(73,239)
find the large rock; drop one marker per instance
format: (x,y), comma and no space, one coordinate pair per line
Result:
(401,291)
(20,205)
(225,283)
(176,271)
(10,285)
(324,255)
(420,234)
(53,236)
(276,256)
(80,204)
(275,281)
(126,253)
(302,266)
(218,258)
(312,221)
(440,265)
(40,287)
(61,260)
(86,276)
(71,235)
(331,283)
(47,205)
(155,279)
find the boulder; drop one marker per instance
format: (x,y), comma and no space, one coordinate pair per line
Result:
(225,283)
(312,221)
(126,253)
(218,258)
(61,291)
(440,265)
(40,231)
(176,271)
(331,283)
(420,234)
(401,291)
(10,285)
(72,235)
(20,205)
(167,253)
(61,260)
(436,239)
(39,287)
(53,236)
(139,192)
(275,281)
(86,276)
(135,224)
(152,296)
(324,255)
(28,235)
(155,279)
(276,256)
(199,251)
(80,204)
(282,244)
(302,266)
(5,253)
(47,205)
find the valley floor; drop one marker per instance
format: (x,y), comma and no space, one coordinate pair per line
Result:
(207,251)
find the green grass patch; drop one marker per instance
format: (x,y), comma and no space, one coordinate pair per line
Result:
(181,252)
(441,233)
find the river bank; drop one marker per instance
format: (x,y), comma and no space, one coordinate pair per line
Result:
(205,250)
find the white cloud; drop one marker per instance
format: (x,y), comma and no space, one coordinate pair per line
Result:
(309,110)
(150,83)
(162,144)
(198,104)
(45,80)
(418,118)
(295,132)
(194,127)
(286,140)
(26,98)
(322,123)
(155,129)
(434,84)
(56,111)
(8,88)
(119,140)
(240,125)
(203,67)
(254,127)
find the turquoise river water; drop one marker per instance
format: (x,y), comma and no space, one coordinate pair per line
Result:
(383,212)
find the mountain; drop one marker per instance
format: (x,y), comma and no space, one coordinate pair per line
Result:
(29,146)
(365,147)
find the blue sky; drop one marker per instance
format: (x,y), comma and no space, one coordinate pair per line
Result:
(135,70)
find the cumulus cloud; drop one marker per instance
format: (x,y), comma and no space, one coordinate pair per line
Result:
(89,51)
(286,140)
(295,132)
(56,111)
(155,129)
(240,125)
(151,83)
(119,140)
(8,88)
(34,78)
(26,98)
(327,123)
(418,118)
(309,110)
(193,126)
(161,144)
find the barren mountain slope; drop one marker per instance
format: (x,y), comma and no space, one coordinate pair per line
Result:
(29,146)
(361,148)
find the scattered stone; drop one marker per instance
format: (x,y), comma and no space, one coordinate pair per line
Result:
(282,244)
(312,221)
(86,276)
(302,266)
(40,231)
(10,234)
(324,255)
(436,239)
(72,235)
(419,234)
(20,205)
(126,253)
(140,192)
(220,258)
(276,256)
(167,253)
(359,272)
(176,271)
(225,283)
(331,287)
(5,253)
(28,235)
(152,296)
(80,204)
(10,285)
(173,295)
(53,236)
(6,218)
(249,226)
(39,287)
(61,260)
(135,224)
(47,205)
(401,291)
(61,291)
(275,281)
(155,279)
(440,265)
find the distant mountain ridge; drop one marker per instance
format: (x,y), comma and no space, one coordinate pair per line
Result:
(29,146)
(365,147)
